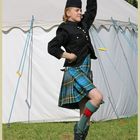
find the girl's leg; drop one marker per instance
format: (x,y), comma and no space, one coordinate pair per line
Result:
(87,125)
(82,104)
(85,132)
(95,98)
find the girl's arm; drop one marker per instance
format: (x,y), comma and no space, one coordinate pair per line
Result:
(90,13)
(54,46)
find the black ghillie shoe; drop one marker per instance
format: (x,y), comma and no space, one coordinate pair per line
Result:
(85,132)
(77,136)
(81,135)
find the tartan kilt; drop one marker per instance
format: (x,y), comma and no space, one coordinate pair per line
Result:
(76,84)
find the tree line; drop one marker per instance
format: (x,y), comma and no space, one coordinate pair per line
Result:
(133,2)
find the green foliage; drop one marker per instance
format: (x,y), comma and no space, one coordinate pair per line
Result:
(121,129)
(133,2)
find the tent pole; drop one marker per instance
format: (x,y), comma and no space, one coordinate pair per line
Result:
(21,67)
(29,79)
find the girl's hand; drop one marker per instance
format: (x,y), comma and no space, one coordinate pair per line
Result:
(71,57)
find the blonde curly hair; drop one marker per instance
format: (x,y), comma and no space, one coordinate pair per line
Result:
(65,16)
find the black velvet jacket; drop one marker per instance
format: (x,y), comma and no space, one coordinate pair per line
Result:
(74,37)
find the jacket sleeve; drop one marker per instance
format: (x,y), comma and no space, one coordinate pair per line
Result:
(90,13)
(54,46)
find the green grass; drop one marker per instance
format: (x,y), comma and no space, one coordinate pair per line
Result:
(121,129)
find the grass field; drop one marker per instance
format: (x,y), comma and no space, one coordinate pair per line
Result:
(121,129)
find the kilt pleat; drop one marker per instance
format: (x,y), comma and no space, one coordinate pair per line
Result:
(76,84)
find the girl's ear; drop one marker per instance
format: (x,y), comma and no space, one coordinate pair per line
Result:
(68,13)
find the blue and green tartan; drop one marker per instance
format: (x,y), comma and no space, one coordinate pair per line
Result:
(76,84)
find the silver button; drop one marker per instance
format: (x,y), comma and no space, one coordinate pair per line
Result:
(79,27)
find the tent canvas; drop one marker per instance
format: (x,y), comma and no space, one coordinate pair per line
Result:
(115,71)
(18,13)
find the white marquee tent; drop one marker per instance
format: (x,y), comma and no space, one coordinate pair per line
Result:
(32,77)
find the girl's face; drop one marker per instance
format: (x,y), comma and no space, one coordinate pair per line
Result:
(74,14)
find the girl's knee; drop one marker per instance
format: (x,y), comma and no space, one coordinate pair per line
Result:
(95,94)
(100,97)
